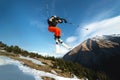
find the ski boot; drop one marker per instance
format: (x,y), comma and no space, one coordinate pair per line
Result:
(58,40)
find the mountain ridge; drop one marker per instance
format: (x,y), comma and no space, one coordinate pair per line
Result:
(97,52)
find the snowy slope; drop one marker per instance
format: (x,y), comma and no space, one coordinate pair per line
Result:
(33,60)
(27,70)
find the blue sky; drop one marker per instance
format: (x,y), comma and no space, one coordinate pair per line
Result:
(24,22)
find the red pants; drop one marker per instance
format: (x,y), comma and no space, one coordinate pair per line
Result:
(55,30)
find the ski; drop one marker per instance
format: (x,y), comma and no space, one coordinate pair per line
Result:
(61,43)
(66,46)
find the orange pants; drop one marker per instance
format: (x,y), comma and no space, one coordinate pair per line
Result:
(55,30)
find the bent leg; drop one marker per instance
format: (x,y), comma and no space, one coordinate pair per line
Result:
(55,30)
(57,33)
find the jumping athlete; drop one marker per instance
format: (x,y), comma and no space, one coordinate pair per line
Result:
(52,27)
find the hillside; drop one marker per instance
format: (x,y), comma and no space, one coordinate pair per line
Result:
(57,67)
(101,53)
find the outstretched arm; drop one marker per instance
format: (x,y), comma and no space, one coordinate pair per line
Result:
(60,20)
(65,21)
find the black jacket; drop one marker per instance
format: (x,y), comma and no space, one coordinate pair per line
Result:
(53,21)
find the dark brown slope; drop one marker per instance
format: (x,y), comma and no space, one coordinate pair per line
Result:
(99,53)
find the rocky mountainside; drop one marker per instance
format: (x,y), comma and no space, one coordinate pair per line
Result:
(98,53)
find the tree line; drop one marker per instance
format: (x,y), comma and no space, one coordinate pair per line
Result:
(64,66)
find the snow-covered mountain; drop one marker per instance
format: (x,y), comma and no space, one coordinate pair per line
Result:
(99,53)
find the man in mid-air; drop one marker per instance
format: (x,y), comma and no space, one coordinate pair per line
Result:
(52,22)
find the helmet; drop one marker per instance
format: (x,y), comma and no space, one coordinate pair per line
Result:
(54,16)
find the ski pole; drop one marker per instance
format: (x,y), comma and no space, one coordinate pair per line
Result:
(76,25)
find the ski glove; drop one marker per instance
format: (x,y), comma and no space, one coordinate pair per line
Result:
(65,21)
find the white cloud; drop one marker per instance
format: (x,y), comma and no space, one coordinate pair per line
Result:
(104,27)
(71,39)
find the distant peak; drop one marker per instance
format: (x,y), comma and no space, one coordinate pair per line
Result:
(103,37)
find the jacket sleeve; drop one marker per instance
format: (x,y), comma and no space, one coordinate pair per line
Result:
(61,20)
